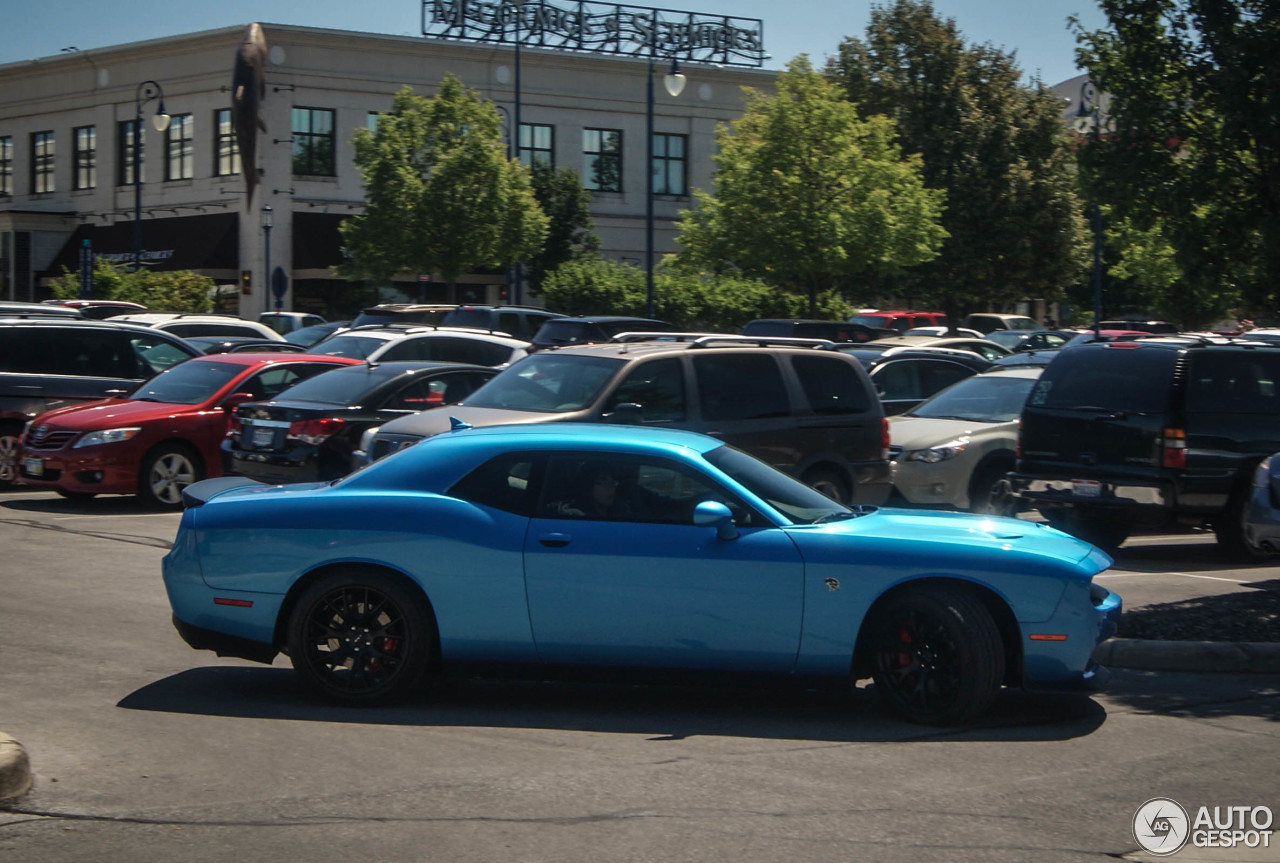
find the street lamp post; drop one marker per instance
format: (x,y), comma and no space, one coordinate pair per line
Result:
(267,222)
(674,82)
(147,91)
(1089,119)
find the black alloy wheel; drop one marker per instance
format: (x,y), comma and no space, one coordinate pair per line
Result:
(938,657)
(360,638)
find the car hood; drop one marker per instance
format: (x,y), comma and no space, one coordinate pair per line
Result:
(953,541)
(111,413)
(921,432)
(436,420)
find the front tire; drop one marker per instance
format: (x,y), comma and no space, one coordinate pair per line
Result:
(9,434)
(360,638)
(937,656)
(165,472)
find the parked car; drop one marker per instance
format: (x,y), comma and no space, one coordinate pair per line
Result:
(905,378)
(800,328)
(942,332)
(99,309)
(898,319)
(51,362)
(286,322)
(986,322)
(589,329)
(161,437)
(13,309)
(1162,432)
(310,431)
(1163,328)
(956,448)
(983,347)
(1031,340)
(308,336)
(241,344)
(459,554)
(184,325)
(521,322)
(809,411)
(390,342)
(402,313)
(1262,520)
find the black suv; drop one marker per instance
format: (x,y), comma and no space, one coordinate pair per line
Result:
(522,322)
(52,362)
(797,404)
(587,329)
(1159,432)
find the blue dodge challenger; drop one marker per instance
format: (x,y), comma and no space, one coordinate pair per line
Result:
(570,549)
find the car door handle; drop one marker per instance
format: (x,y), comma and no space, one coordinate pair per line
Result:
(555,540)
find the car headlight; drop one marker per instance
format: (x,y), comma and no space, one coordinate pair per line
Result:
(106,436)
(941,452)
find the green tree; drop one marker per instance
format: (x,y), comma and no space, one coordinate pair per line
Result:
(569,233)
(442,197)
(1189,150)
(169,291)
(998,148)
(808,196)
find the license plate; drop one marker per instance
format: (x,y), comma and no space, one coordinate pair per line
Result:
(1086,488)
(263,437)
(34,467)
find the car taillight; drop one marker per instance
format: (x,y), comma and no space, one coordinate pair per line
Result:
(1174,451)
(315,431)
(233,426)
(884,438)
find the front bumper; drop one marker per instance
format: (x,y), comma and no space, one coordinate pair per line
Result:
(1087,615)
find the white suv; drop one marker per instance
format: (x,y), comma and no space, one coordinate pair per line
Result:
(388,342)
(184,325)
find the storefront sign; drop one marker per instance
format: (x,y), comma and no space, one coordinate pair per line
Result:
(600,28)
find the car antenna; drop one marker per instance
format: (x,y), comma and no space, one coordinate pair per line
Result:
(456,424)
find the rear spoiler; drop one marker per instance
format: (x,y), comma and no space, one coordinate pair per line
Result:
(198,493)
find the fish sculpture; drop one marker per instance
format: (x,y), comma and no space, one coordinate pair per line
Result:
(248,89)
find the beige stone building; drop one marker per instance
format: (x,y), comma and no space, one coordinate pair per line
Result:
(67,125)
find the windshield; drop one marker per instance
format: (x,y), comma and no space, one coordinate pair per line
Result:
(188,383)
(342,386)
(548,383)
(797,501)
(979,399)
(356,347)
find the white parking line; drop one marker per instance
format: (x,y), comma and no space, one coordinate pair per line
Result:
(118,515)
(1114,574)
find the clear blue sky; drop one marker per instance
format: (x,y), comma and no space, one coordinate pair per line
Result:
(1035,29)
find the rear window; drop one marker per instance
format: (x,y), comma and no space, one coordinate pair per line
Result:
(342,386)
(1107,378)
(1233,382)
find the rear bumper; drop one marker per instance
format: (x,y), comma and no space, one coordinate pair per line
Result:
(1071,492)
(223,644)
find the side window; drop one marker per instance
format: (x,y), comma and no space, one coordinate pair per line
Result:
(740,387)
(271,382)
(507,482)
(97,354)
(657,386)
(601,487)
(509,322)
(1233,383)
(939,375)
(24,351)
(156,354)
(410,349)
(456,350)
(831,386)
(898,380)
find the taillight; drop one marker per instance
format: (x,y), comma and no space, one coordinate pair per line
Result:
(884,438)
(315,431)
(1174,451)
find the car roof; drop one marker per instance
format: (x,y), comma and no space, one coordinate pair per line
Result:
(634,344)
(15,308)
(1028,371)
(251,358)
(388,332)
(570,434)
(76,321)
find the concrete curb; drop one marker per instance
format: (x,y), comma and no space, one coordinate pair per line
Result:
(15,769)
(1227,656)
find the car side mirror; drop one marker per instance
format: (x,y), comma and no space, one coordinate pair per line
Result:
(713,513)
(627,413)
(234,400)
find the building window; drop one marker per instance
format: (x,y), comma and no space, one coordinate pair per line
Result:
(536,144)
(85,144)
(669,165)
(6,165)
(602,160)
(313,142)
(41,162)
(226,150)
(179,147)
(127,136)
(371,121)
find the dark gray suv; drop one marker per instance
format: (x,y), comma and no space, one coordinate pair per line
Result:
(797,404)
(47,363)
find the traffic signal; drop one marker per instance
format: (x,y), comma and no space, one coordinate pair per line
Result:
(246,281)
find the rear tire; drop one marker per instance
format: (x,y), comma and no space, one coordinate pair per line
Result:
(9,434)
(828,483)
(937,656)
(990,492)
(361,638)
(1229,528)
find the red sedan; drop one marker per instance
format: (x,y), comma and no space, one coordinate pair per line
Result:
(164,435)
